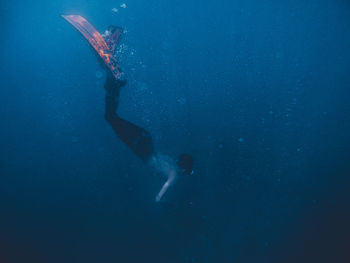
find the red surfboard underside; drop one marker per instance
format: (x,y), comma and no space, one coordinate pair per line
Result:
(97,42)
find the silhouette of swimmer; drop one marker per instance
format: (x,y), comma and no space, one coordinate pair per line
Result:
(136,138)
(140,141)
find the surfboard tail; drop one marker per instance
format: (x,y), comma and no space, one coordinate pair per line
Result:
(99,43)
(112,36)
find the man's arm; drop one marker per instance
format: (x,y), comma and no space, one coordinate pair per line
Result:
(165,187)
(162,191)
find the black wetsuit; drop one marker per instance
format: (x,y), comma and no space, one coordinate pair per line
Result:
(136,138)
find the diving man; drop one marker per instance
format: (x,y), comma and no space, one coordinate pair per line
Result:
(136,138)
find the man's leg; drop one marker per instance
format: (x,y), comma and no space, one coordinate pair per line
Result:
(135,137)
(112,87)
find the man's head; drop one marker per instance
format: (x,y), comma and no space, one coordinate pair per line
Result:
(185,163)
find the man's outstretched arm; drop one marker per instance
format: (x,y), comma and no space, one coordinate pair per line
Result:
(165,187)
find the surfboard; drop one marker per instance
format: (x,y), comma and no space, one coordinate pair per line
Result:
(104,50)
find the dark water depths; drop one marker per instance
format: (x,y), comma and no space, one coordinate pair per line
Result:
(256,91)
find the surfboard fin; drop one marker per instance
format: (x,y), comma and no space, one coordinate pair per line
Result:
(112,36)
(104,45)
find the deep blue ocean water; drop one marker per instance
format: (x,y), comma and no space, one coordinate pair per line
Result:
(256,91)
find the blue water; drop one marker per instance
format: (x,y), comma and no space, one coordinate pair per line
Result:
(256,91)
